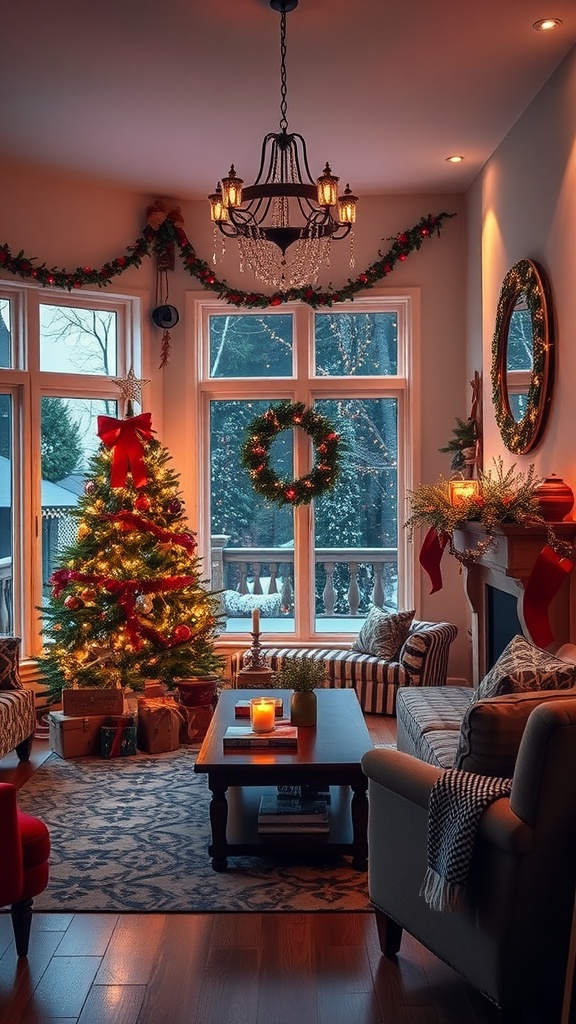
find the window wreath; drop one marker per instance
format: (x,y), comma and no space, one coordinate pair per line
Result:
(255,454)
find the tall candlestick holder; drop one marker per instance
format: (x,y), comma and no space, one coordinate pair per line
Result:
(255,671)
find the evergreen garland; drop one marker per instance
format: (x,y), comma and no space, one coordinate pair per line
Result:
(164,230)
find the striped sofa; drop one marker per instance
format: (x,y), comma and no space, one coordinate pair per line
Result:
(423,661)
(17,722)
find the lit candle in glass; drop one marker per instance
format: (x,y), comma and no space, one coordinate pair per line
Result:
(262,714)
(255,620)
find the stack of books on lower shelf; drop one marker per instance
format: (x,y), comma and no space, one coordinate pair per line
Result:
(296,814)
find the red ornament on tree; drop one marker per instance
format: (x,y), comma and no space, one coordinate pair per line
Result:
(72,603)
(182,632)
(142,503)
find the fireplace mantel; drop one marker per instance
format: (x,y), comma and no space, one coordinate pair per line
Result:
(506,566)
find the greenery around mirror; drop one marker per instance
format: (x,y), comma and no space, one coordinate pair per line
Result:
(528,280)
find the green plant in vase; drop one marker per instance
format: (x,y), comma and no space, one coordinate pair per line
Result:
(302,676)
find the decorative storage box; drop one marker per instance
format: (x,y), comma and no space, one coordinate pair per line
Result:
(118,736)
(160,724)
(197,722)
(74,735)
(93,700)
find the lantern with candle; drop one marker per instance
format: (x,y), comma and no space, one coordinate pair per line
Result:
(462,490)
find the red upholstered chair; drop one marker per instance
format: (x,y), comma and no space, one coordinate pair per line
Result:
(24,853)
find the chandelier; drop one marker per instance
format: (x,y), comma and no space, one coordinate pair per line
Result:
(285,222)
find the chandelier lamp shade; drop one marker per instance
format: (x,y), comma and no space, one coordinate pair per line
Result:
(286,221)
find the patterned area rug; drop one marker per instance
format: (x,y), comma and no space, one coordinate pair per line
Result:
(132,835)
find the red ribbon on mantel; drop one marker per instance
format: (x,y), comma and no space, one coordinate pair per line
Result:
(548,574)
(125,437)
(431,555)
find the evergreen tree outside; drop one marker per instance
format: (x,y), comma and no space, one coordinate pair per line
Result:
(59,444)
(128,601)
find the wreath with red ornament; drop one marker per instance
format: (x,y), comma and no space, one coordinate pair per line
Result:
(255,454)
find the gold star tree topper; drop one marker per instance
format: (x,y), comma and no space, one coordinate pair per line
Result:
(131,388)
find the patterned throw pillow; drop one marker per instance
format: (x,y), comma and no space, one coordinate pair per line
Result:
(10,663)
(523,666)
(383,633)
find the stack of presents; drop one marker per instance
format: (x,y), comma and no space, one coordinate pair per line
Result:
(110,723)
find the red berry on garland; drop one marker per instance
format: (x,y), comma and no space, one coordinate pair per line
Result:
(72,603)
(182,632)
(142,503)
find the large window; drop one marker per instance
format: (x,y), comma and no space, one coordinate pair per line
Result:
(311,570)
(59,354)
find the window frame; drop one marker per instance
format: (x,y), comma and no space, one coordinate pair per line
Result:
(306,387)
(29,384)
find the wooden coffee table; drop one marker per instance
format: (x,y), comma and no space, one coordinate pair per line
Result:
(327,755)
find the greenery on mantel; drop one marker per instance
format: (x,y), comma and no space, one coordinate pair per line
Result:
(164,231)
(501,497)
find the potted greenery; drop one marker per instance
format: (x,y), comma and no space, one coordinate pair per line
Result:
(302,676)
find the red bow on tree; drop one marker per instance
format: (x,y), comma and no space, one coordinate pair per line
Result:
(126,437)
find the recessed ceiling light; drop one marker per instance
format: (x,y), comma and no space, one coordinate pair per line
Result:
(454,159)
(546,24)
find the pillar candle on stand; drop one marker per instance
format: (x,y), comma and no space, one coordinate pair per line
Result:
(262,714)
(255,620)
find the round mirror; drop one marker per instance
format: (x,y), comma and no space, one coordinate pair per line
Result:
(523,356)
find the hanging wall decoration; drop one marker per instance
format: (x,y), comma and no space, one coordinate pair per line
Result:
(255,454)
(164,315)
(165,226)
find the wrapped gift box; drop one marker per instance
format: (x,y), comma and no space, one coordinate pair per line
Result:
(93,700)
(118,736)
(74,735)
(160,724)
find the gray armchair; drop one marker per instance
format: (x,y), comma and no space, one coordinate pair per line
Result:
(512,941)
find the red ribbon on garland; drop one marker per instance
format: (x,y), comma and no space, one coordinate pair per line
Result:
(431,555)
(548,574)
(125,437)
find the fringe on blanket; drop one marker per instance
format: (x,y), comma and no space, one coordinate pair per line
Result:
(440,894)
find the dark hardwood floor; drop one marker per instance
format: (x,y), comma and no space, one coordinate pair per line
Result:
(223,968)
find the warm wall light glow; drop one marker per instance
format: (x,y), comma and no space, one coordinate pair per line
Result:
(462,490)
(454,159)
(546,24)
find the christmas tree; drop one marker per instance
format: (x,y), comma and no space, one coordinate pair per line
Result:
(128,601)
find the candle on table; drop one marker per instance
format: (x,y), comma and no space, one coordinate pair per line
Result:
(262,714)
(255,620)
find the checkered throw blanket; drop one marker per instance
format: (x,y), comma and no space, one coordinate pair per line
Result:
(457,802)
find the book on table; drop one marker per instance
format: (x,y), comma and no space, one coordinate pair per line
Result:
(282,736)
(293,829)
(295,811)
(242,708)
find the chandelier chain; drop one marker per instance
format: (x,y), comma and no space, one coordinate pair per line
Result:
(283,87)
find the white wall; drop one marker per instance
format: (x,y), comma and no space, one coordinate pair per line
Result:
(523,205)
(69,223)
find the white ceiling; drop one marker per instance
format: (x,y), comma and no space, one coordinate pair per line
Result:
(161,96)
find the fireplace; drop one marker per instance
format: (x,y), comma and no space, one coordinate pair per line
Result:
(502,622)
(494,586)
